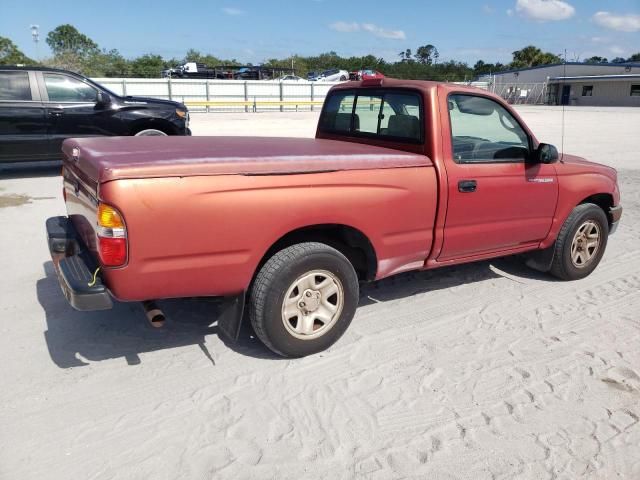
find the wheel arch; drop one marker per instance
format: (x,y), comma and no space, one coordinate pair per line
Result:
(350,241)
(603,200)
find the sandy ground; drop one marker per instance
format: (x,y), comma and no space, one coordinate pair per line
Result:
(483,371)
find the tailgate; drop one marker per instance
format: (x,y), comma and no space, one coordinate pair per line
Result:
(81,198)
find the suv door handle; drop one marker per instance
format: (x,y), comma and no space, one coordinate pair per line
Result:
(467,186)
(56,112)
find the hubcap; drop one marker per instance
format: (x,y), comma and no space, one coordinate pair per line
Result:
(312,305)
(586,243)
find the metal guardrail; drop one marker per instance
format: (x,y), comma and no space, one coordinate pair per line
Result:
(225,95)
(255,104)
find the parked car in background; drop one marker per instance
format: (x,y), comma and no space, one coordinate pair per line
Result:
(40,107)
(192,70)
(365,74)
(402,175)
(333,75)
(290,78)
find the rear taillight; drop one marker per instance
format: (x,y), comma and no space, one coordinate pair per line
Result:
(112,237)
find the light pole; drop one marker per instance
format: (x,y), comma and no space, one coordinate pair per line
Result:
(35,33)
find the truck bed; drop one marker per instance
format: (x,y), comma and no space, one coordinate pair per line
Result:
(106,159)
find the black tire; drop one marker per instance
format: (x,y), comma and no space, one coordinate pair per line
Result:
(562,265)
(278,275)
(343,78)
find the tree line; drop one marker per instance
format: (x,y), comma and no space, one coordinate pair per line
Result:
(73,50)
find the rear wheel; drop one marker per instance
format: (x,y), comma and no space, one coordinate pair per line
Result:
(581,243)
(303,299)
(150,132)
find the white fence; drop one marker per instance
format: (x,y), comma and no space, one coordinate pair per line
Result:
(227,95)
(522,93)
(230,95)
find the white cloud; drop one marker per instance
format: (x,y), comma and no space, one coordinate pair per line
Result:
(622,23)
(488,9)
(383,32)
(616,50)
(345,27)
(545,10)
(233,11)
(348,27)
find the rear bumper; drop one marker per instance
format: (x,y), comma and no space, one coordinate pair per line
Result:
(75,267)
(614,218)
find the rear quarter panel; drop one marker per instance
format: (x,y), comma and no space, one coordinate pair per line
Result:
(206,235)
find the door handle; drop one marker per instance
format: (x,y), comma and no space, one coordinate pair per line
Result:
(467,186)
(56,112)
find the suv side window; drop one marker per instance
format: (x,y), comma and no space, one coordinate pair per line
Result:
(483,131)
(14,86)
(62,88)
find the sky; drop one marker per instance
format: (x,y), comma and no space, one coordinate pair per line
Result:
(255,30)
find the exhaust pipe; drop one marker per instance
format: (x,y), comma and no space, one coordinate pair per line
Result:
(154,314)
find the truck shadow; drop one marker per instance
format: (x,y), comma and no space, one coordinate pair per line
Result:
(75,339)
(414,283)
(50,169)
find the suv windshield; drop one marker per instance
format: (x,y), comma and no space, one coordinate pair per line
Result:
(388,114)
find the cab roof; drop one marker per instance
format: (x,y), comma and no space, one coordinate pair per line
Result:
(424,85)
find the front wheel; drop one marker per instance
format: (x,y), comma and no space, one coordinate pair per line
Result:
(303,299)
(580,243)
(150,132)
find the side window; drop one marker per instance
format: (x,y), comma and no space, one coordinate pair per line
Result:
(62,88)
(14,86)
(390,115)
(483,131)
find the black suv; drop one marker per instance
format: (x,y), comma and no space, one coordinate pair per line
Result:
(40,107)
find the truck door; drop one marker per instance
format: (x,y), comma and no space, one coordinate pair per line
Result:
(23,127)
(71,110)
(497,199)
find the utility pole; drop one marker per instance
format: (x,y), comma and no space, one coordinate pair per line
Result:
(35,33)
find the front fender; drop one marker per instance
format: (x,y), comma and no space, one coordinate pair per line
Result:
(574,189)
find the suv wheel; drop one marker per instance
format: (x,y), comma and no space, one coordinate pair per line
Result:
(150,132)
(303,299)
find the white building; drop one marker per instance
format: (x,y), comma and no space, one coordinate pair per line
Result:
(599,90)
(604,84)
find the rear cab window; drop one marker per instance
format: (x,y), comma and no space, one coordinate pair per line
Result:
(387,114)
(14,86)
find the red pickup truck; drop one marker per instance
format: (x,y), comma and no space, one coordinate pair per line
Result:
(402,175)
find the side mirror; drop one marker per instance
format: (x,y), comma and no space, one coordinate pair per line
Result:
(546,153)
(102,99)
